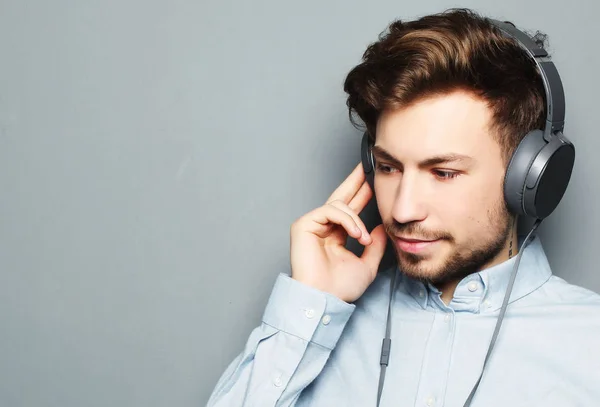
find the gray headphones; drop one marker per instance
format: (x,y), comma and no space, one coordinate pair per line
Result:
(540,169)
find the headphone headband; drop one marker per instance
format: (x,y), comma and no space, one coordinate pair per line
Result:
(555,95)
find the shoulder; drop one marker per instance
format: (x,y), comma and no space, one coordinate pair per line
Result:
(558,291)
(567,307)
(563,323)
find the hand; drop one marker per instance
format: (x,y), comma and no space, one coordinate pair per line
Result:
(319,257)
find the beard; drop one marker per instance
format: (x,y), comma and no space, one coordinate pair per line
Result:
(464,259)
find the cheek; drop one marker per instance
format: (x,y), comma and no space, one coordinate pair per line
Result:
(385,201)
(456,210)
(386,194)
(465,205)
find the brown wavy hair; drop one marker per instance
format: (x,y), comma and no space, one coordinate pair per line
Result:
(457,49)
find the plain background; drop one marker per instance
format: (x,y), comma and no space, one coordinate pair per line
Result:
(153,155)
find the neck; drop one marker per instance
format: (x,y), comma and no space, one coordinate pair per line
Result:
(509,251)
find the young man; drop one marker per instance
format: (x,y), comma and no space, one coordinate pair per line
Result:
(447,100)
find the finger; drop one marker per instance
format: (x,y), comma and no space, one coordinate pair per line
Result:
(365,238)
(350,186)
(374,252)
(362,197)
(323,218)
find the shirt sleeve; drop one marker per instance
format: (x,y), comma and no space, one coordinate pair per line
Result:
(300,327)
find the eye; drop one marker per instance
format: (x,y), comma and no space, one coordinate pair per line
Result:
(386,169)
(445,175)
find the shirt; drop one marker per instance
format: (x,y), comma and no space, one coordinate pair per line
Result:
(313,349)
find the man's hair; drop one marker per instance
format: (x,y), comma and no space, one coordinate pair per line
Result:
(457,49)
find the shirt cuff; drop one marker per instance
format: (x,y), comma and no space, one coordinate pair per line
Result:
(306,312)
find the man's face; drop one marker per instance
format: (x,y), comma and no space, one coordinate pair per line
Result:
(438,181)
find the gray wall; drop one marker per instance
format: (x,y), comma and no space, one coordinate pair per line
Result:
(153,155)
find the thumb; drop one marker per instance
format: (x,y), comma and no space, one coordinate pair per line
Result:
(374,252)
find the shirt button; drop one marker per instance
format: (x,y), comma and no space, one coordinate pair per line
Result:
(430,401)
(277,382)
(309,313)
(473,286)
(326,320)
(487,303)
(421,293)
(447,318)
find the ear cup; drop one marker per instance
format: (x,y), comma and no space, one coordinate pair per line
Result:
(367,160)
(538,174)
(518,169)
(548,178)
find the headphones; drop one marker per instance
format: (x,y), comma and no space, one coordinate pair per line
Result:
(540,168)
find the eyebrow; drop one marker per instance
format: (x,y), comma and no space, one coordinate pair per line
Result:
(382,154)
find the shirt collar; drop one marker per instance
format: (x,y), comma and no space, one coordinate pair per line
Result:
(484,291)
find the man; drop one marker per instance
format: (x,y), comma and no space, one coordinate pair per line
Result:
(447,99)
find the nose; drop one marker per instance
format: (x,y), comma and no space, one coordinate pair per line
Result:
(409,204)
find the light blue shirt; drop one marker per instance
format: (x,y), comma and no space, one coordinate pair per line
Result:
(313,349)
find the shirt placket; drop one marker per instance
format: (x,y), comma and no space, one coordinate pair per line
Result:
(437,357)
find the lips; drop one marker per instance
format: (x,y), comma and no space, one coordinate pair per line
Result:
(416,240)
(414,245)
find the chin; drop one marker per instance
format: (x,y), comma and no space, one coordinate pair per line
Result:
(445,265)
(423,269)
